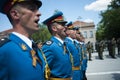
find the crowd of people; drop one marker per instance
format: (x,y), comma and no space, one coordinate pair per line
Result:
(63,57)
(112,46)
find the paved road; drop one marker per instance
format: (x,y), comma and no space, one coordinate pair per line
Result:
(107,69)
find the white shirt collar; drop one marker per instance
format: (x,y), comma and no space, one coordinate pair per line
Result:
(81,43)
(59,39)
(24,38)
(70,39)
(76,40)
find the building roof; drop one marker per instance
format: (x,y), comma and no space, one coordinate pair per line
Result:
(82,24)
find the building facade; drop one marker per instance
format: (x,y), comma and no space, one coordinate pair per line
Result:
(87,30)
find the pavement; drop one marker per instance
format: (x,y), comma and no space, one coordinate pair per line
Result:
(107,69)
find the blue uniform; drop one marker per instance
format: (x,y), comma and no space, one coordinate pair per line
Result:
(16,61)
(58,59)
(78,46)
(76,59)
(84,59)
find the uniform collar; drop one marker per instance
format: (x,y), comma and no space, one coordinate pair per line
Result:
(70,39)
(81,43)
(59,39)
(76,41)
(24,38)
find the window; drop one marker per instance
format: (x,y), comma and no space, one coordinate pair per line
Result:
(85,34)
(91,34)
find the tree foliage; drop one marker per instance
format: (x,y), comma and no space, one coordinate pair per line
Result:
(100,32)
(42,35)
(110,20)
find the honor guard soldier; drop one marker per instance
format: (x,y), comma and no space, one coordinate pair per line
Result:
(118,45)
(100,49)
(83,54)
(89,50)
(71,35)
(18,59)
(84,57)
(111,47)
(113,42)
(55,50)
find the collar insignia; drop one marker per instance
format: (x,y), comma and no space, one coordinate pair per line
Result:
(23,46)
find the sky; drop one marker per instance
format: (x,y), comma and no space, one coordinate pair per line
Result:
(73,10)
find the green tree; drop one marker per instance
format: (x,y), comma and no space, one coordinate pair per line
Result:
(42,35)
(100,33)
(110,20)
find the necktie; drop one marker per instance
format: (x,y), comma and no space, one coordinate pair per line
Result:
(34,55)
(65,48)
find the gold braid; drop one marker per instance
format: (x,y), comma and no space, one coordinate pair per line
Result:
(71,56)
(65,51)
(71,59)
(47,69)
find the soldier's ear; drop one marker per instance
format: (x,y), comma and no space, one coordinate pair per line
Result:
(14,14)
(54,28)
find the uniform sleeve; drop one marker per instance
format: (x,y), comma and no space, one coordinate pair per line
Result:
(3,64)
(49,54)
(75,55)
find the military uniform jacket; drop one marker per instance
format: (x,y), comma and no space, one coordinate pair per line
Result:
(58,60)
(74,51)
(78,46)
(75,59)
(84,54)
(16,61)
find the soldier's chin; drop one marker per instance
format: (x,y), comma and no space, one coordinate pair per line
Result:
(36,24)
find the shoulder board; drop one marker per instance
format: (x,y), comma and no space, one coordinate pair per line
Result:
(48,42)
(3,41)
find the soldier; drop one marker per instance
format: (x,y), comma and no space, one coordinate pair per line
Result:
(113,42)
(18,59)
(74,50)
(83,55)
(118,45)
(55,50)
(109,45)
(96,46)
(85,58)
(89,50)
(100,50)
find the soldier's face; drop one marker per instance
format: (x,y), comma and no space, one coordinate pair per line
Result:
(29,19)
(61,30)
(73,34)
(26,18)
(78,37)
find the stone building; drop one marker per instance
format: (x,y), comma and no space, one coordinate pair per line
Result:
(87,30)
